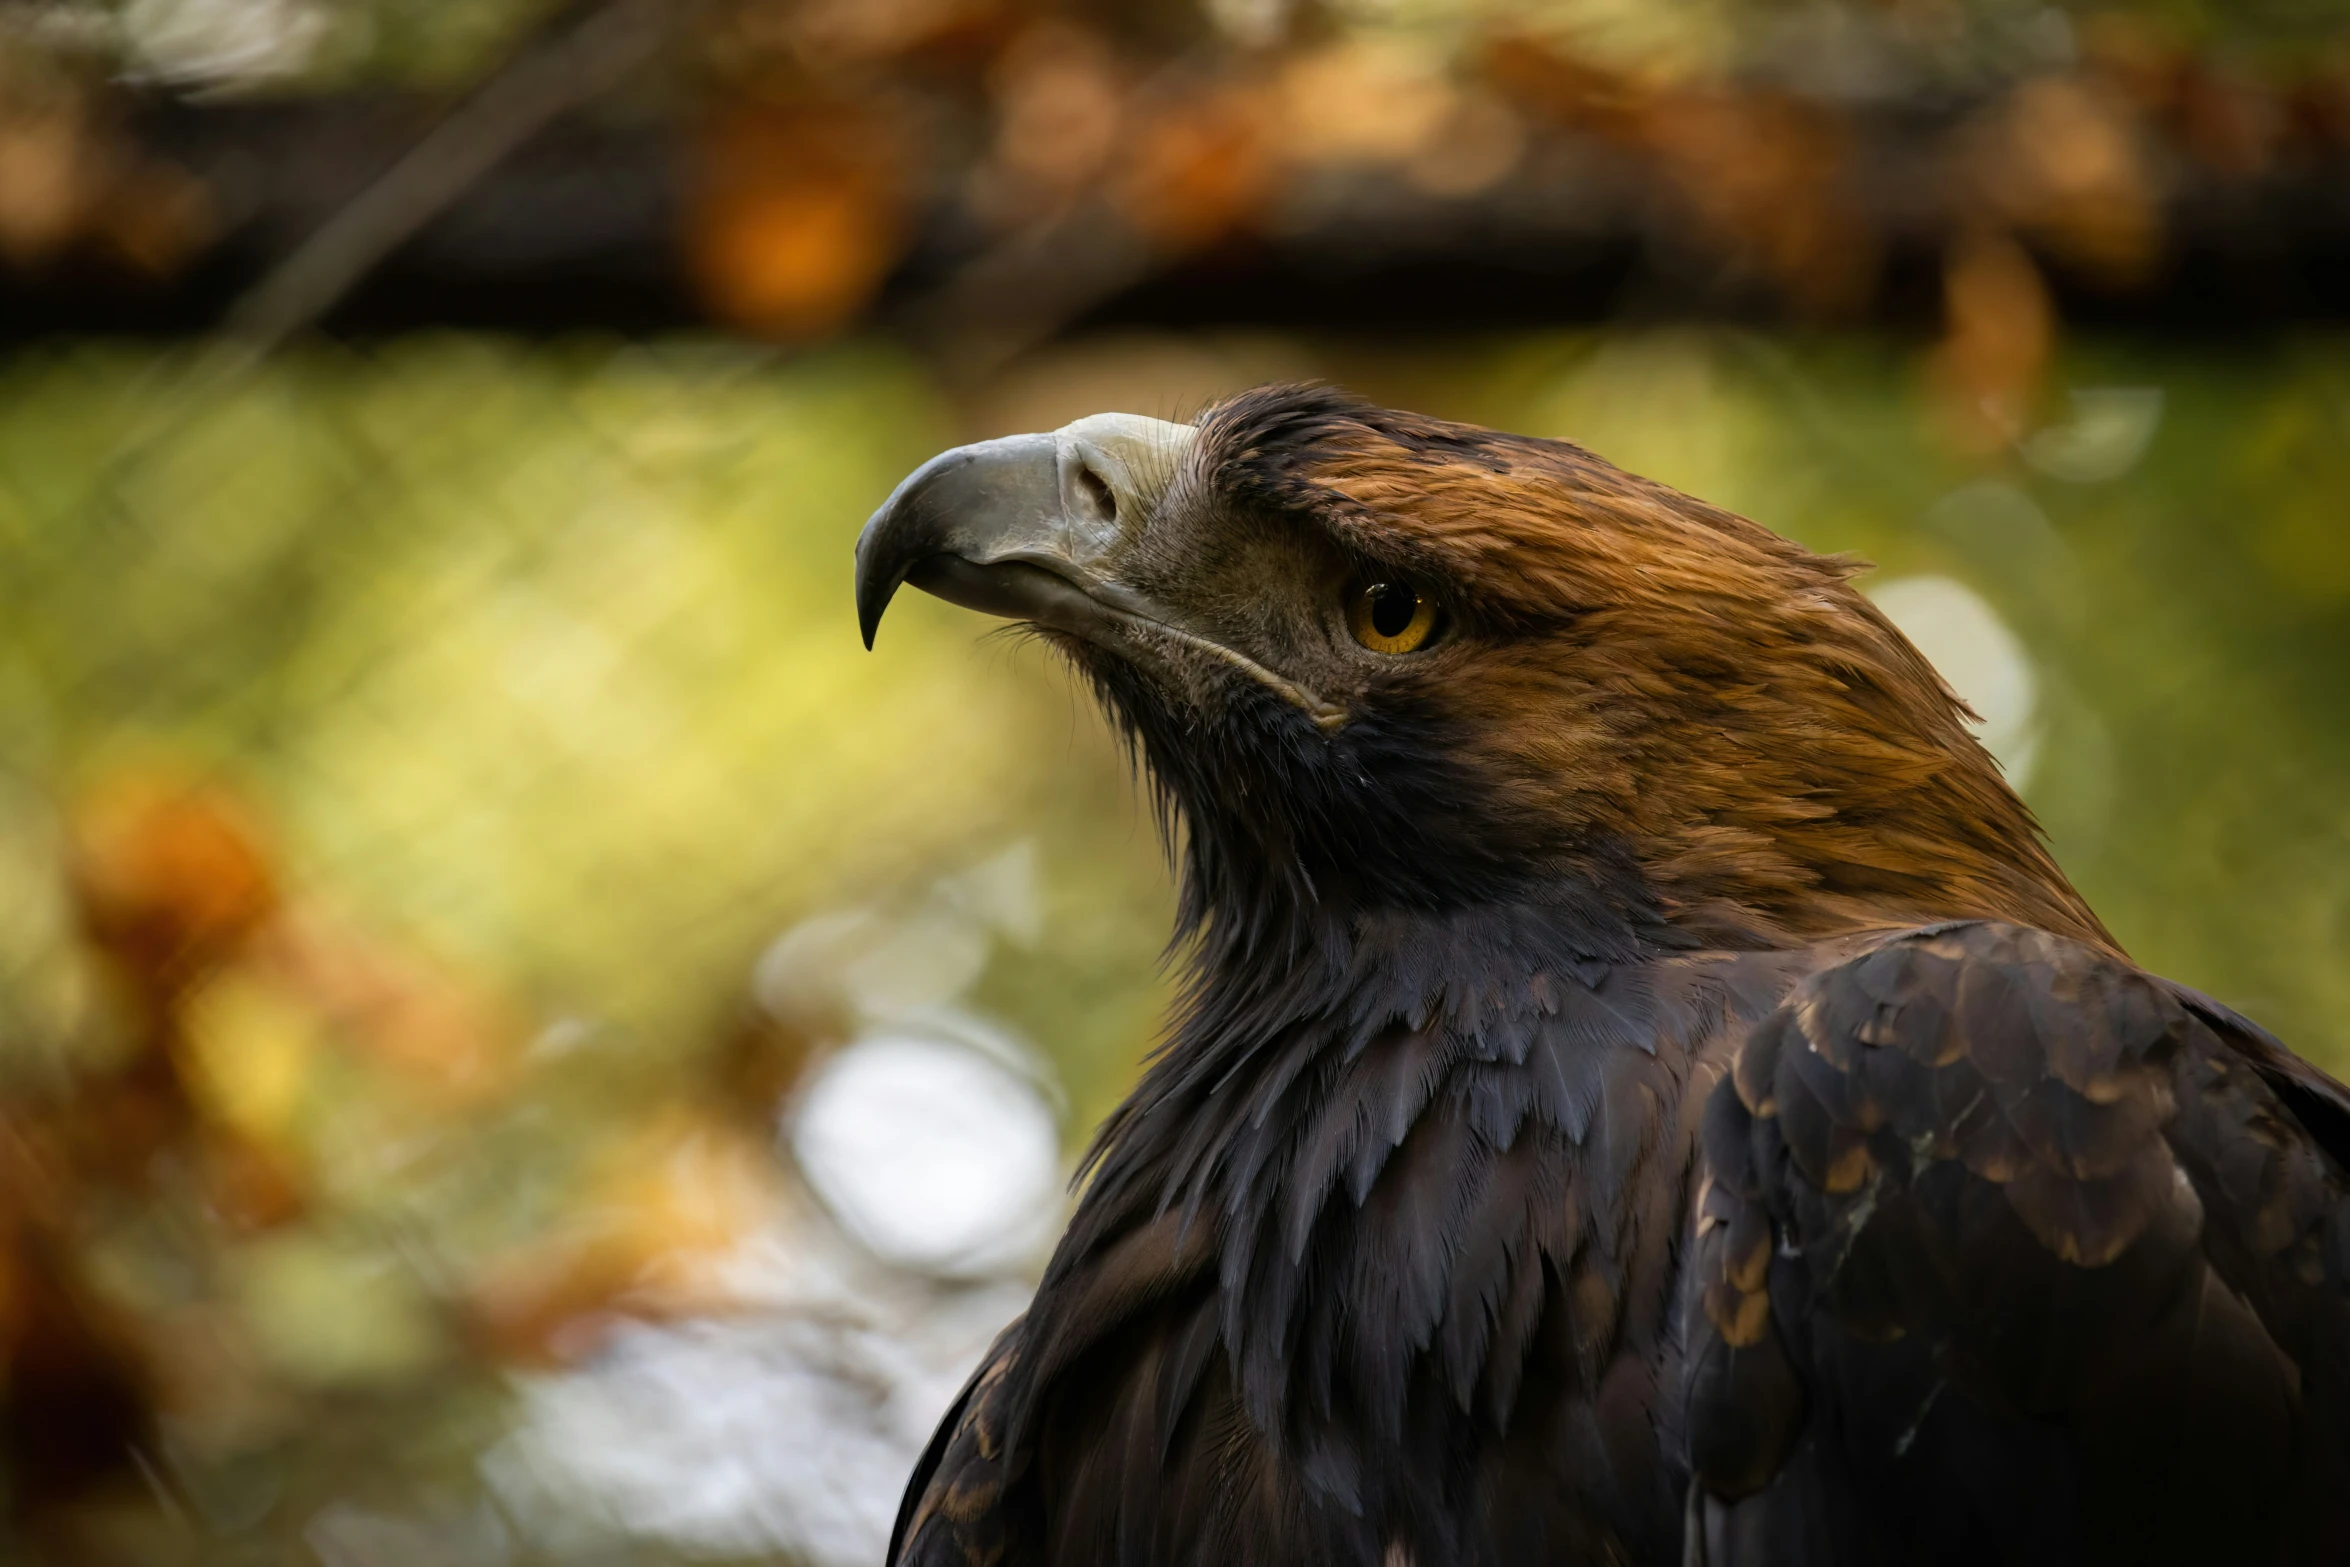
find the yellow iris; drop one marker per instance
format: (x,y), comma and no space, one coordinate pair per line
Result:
(1390,617)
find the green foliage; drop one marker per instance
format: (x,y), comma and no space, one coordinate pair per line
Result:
(547,658)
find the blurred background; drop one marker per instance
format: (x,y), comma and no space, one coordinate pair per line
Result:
(521,1042)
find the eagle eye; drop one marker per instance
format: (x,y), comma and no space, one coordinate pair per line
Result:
(1390,617)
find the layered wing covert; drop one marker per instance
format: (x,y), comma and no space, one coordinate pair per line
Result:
(2010,1252)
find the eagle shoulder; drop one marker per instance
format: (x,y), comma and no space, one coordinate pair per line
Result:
(2010,1251)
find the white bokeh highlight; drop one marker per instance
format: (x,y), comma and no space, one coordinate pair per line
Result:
(787,1428)
(928,1148)
(936,1156)
(222,42)
(1982,659)
(2110,431)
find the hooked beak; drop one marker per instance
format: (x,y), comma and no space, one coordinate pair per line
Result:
(1032,527)
(1025,527)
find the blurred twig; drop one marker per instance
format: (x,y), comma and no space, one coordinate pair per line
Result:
(1033,283)
(1026,289)
(577,63)
(576,60)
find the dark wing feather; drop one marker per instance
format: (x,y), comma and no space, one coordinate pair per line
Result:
(952,1512)
(2320,1104)
(2012,1253)
(1135,1303)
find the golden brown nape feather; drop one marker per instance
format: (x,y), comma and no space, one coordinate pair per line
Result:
(1668,675)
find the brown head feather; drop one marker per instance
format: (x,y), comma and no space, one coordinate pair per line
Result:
(1661,673)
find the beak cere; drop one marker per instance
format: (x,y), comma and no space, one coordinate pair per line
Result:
(1025,527)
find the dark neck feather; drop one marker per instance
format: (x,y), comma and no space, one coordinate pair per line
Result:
(1290,842)
(1247,1028)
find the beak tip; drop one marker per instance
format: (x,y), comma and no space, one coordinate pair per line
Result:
(874,590)
(958,502)
(871,605)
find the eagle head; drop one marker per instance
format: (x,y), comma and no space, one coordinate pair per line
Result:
(1376,661)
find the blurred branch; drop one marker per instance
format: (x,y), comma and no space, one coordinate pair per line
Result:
(1195,170)
(990,192)
(580,62)
(1027,289)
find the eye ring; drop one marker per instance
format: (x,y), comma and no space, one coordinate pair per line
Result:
(1390,617)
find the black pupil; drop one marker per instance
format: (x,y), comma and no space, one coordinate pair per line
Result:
(1392,608)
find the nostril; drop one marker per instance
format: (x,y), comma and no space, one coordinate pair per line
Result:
(1097,493)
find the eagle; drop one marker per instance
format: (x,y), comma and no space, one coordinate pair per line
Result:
(1643,1091)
